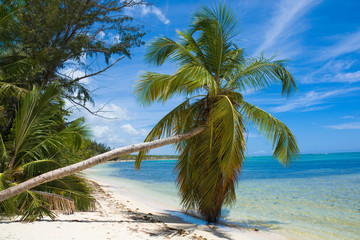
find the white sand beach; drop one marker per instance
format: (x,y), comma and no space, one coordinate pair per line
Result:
(117,216)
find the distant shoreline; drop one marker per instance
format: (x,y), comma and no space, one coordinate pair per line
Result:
(175,157)
(133,160)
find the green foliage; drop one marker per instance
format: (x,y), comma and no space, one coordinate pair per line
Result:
(213,73)
(89,148)
(39,39)
(38,140)
(58,34)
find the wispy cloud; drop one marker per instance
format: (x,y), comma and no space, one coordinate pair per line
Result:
(348,117)
(282,22)
(334,71)
(346,126)
(311,100)
(349,77)
(144,10)
(347,44)
(336,67)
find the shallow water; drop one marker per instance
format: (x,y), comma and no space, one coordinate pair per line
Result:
(317,197)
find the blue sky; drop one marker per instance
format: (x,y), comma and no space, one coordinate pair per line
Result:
(320,37)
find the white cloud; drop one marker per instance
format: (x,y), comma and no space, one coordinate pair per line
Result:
(160,15)
(100,131)
(282,23)
(100,35)
(311,99)
(115,129)
(346,126)
(114,111)
(147,10)
(132,131)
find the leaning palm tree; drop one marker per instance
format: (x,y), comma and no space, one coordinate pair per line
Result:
(213,74)
(209,125)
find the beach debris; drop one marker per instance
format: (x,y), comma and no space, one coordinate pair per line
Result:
(181,231)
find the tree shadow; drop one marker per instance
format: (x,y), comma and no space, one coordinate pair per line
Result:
(175,223)
(253,224)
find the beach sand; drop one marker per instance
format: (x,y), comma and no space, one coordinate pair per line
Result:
(117,216)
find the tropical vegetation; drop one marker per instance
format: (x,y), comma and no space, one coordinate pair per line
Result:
(208,128)
(36,145)
(213,75)
(40,42)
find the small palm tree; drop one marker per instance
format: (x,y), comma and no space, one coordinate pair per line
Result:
(213,74)
(39,136)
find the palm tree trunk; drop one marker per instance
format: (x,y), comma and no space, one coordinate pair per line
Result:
(77,167)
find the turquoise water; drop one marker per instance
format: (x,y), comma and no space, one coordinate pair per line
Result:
(317,197)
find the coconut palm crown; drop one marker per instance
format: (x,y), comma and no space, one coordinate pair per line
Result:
(213,73)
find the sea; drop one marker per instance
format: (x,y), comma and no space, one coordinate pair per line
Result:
(316,197)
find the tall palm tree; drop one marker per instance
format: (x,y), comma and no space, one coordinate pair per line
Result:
(213,74)
(209,125)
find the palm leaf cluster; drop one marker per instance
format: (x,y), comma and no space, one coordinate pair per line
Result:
(213,74)
(38,139)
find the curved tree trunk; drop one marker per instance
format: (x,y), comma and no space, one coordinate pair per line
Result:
(77,167)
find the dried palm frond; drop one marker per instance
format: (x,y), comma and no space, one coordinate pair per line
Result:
(58,203)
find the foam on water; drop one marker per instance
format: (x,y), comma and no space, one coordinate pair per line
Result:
(318,197)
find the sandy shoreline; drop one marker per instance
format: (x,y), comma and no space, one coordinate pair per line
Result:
(117,216)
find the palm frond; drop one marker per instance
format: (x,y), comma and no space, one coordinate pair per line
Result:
(33,208)
(191,79)
(224,121)
(220,16)
(274,130)
(192,45)
(217,23)
(188,80)
(8,19)
(163,48)
(152,87)
(33,168)
(28,116)
(10,89)
(74,187)
(4,156)
(166,126)
(259,73)
(8,206)
(57,202)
